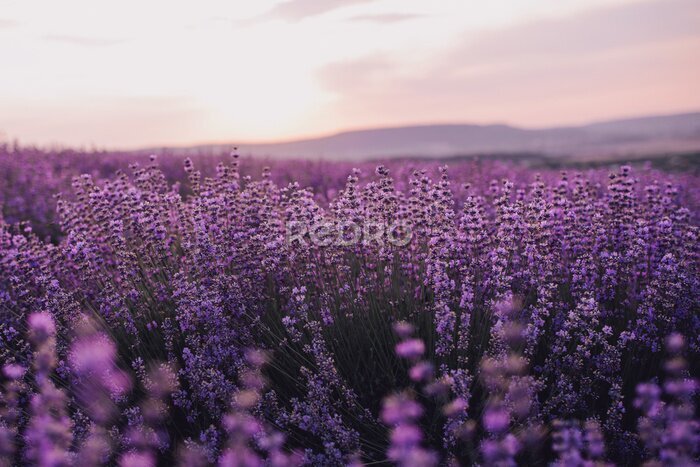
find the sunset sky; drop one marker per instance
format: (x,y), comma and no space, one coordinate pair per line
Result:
(140,73)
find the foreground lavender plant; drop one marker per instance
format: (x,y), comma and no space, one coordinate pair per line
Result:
(402,413)
(48,435)
(669,429)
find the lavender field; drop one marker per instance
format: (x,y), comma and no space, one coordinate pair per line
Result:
(241,312)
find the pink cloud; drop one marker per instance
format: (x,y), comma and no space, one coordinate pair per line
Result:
(610,62)
(386,18)
(296,10)
(83,41)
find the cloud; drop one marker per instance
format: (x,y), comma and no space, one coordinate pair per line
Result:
(83,41)
(386,18)
(297,10)
(591,33)
(594,31)
(623,60)
(8,23)
(358,75)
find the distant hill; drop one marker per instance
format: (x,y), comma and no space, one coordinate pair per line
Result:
(630,137)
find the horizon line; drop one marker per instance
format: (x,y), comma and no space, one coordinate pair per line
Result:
(340,131)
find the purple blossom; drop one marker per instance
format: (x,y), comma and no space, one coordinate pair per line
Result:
(42,327)
(400,408)
(496,420)
(421,371)
(410,349)
(13,372)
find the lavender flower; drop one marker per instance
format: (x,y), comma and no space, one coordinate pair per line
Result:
(410,349)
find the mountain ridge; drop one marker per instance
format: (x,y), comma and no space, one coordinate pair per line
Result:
(635,136)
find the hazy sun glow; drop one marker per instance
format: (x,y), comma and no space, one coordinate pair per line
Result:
(134,73)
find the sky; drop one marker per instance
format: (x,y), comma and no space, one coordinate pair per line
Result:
(131,73)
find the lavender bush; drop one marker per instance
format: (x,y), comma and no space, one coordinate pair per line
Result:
(216,316)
